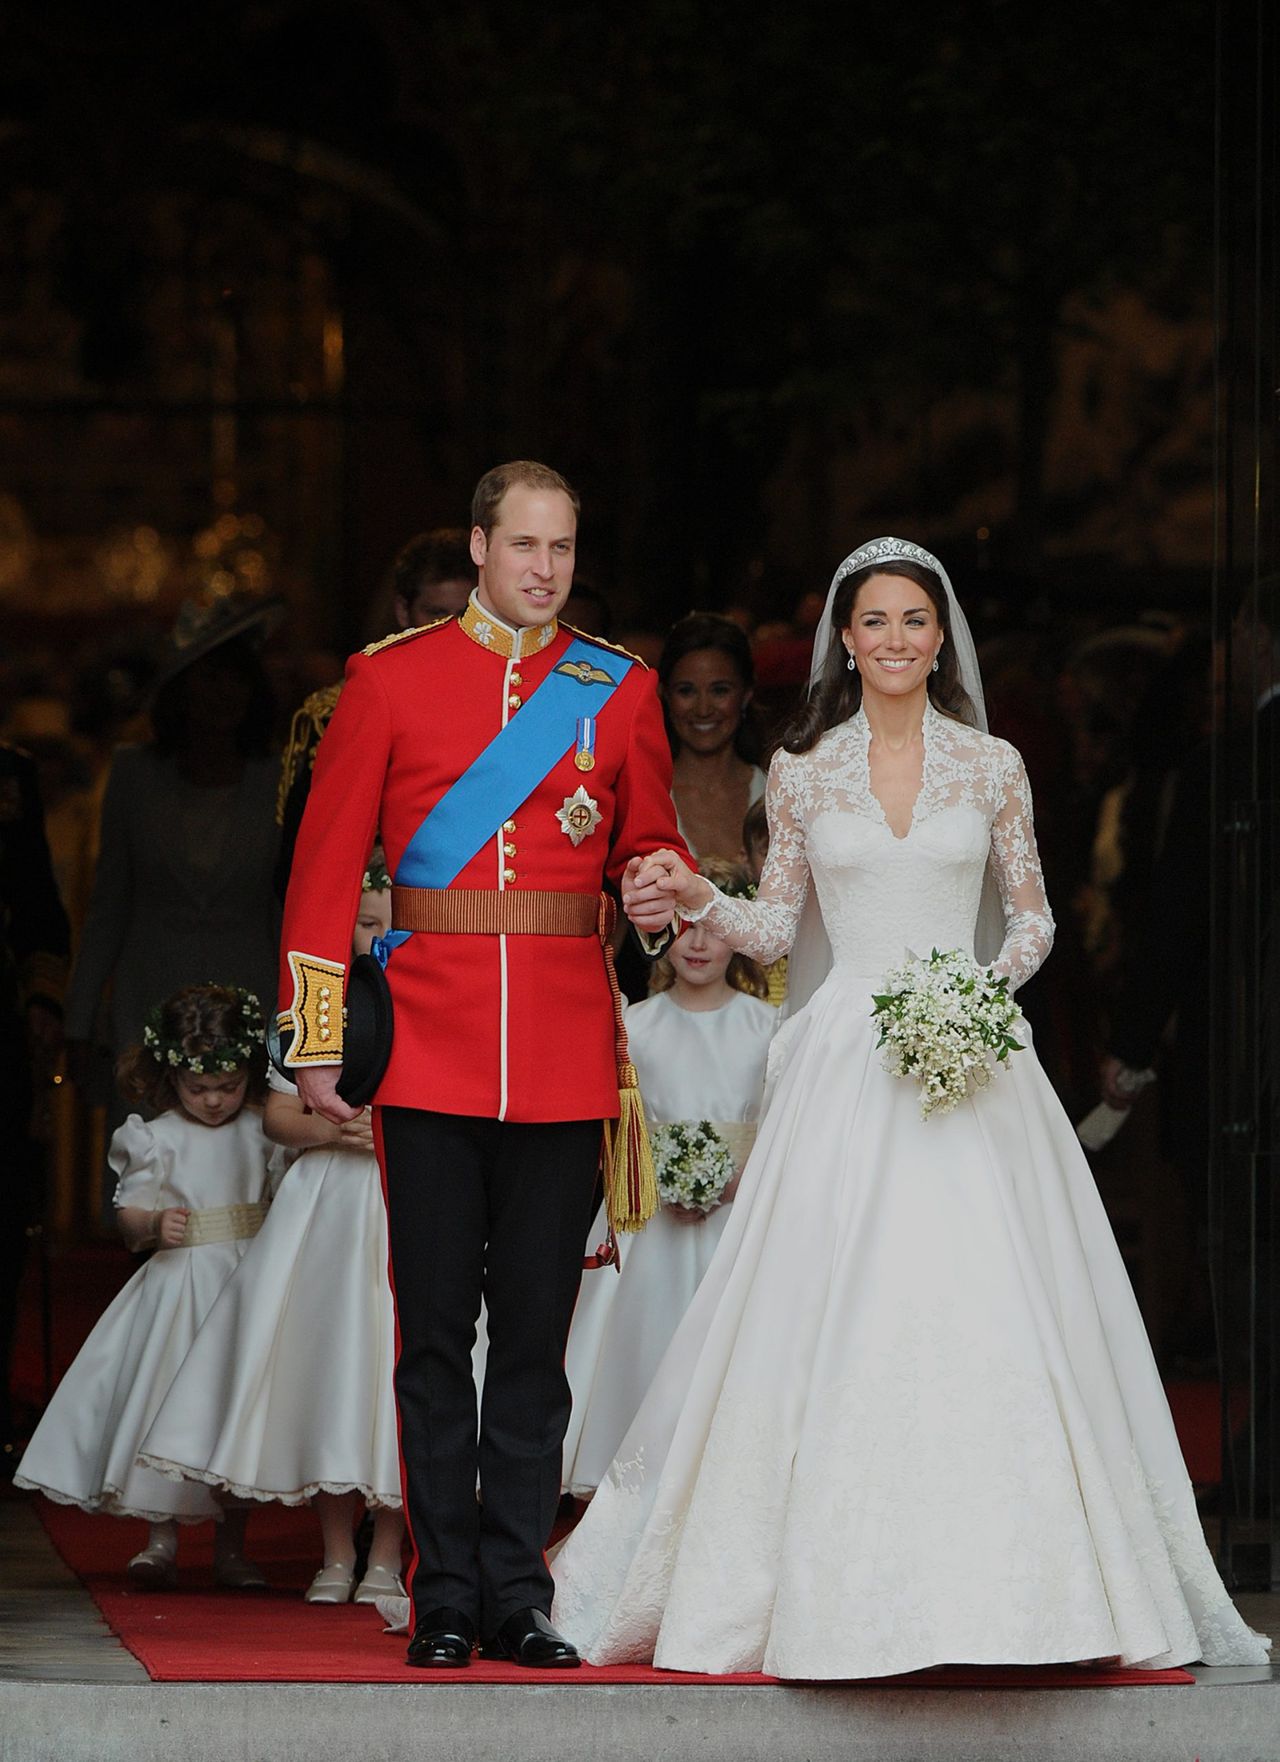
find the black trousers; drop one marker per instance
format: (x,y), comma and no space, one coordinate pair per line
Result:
(490,1208)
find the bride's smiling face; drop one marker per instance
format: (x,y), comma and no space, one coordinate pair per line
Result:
(893,635)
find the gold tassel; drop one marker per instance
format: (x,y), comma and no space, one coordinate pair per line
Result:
(630,1184)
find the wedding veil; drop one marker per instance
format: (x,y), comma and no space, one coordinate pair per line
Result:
(810,960)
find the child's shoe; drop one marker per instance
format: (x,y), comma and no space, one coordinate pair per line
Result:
(234,1573)
(332,1584)
(153,1568)
(378,1581)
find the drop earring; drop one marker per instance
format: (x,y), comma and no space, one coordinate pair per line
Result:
(935,663)
(853,665)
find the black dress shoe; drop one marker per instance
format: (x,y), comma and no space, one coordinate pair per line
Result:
(528,1638)
(442,1640)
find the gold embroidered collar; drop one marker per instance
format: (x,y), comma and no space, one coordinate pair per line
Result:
(496,635)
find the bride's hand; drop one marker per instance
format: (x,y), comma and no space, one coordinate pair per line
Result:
(657,884)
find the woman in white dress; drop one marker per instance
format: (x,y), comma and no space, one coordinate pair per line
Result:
(911,1416)
(699,1047)
(301,1344)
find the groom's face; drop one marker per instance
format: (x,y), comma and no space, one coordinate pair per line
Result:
(526,561)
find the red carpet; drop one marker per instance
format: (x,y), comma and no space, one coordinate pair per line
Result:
(201,1634)
(83,1279)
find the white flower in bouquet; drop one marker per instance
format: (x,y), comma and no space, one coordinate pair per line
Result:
(946,1022)
(693,1164)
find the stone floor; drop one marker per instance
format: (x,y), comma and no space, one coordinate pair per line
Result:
(50,1629)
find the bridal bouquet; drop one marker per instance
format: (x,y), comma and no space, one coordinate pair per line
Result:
(945,1021)
(693,1164)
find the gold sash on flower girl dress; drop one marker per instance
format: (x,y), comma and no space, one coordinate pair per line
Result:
(224,1223)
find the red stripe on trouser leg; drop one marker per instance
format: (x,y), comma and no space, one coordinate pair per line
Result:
(376,1113)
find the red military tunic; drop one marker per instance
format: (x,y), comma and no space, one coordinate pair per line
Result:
(515,1027)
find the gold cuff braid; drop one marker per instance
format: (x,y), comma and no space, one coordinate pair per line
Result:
(315,1012)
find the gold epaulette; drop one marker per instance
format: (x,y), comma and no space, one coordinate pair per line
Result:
(315,1011)
(589,636)
(386,642)
(309,722)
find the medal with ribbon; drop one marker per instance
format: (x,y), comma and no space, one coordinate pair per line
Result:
(584,756)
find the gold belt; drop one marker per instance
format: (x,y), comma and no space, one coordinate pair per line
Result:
(462,911)
(224,1223)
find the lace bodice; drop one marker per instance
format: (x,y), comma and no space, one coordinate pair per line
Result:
(881,895)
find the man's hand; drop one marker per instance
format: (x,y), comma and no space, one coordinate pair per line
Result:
(650,908)
(653,887)
(318,1087)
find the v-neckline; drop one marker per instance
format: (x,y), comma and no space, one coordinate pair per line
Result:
(898,837)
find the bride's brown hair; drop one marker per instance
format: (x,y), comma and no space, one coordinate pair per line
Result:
(838,692)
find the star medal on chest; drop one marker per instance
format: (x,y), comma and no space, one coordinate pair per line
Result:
(579,816)
(585,744)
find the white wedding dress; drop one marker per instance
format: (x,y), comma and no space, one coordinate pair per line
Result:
(911,1416)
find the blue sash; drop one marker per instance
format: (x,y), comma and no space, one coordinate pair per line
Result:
(507,772)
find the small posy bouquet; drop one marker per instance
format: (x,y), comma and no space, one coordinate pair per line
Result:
(693,1164)
(945,1021)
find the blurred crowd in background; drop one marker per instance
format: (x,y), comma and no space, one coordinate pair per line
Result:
(168,819)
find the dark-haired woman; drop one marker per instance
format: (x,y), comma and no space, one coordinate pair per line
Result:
(911,1417)
(183,886)
(706,677)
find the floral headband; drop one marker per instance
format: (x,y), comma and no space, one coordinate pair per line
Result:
(376,878)
(224,1055)
(737,889)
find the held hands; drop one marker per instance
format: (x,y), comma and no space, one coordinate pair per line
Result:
(653,887)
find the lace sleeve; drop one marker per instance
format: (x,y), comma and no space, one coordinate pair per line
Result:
(765,927)
(1028,922)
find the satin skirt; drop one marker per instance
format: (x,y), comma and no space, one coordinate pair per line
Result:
(84,1451)
(286,1391)
(911,1416)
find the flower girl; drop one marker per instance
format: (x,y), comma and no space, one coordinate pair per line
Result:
(193,1188)
(302,1342)
(699,1045)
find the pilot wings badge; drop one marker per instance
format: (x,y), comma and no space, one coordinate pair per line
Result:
(579,816)
(585,673)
